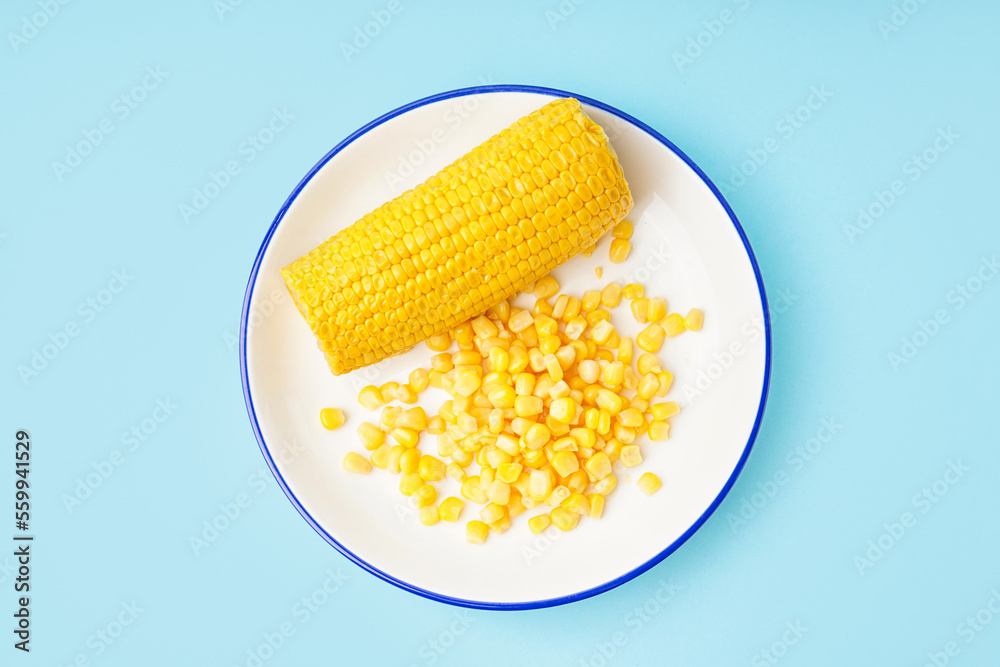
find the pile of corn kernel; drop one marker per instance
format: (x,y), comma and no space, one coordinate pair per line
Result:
(545,401)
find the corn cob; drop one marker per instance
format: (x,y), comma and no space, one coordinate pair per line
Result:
(494,221)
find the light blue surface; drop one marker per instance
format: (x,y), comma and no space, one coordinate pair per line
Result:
(848,301)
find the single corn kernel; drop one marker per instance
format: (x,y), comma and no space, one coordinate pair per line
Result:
(431,468)
(590,301)
(539,523)
(613,375)
(588,370)
(409,461)
(619,251)
(528,406)
(623,230)
(331,418)
(524,384)
(388,417)
(537,437)
(380,457)
(674,325)
(388,391)
(503,397)
(540,484)
(496,421)
(492,512)
(576,502)
(666,379)
(509,472)
(518,360)
(428,515)
(476,532)
(435,425)
(604,422)
(395,454)
(425,495)
(596,502)
(598,272)
(406,394)
(564,519)
(599,465)
(499,359)
(631,456)
(371,436)
(650,339)
(657,309)
(659,430)
(414,418)
(640,310)
(563,409)
(439,343)
(625,350)
(572,309)
(610,401)
(606,485)
(565,444)
(694,320)
(565,463)
(559,390)
(601,332)
(647,386)
(370,397)
(419,379)
(354,462)
(630,417)
(575,327)
(649,483)
(409,482)
(663,411)
(545,287)
(442,362)
(407,437)
(451,508)
(446,445)
(553,367)
(483,327)
(648,363)
(520,321)
(456,472)
(611,295)
(499,492)
(560,306)
(633,291)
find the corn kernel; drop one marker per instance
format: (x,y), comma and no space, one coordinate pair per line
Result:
(572,309)
(540,484)
(492,512)
(657,309)
(425,495)
(527,406)
(649,483)
(599,272)
(575,327)
(601,332)
(559,494)
(439,343)
(596,503)
(371,435)
(388,417)
(640,310)
(666,379)
(395,454)
(659,430)
(409,482)
(619,251)
(648,363)
(414,418)
(631,456)
(451,508)
(520,321)
(694,320)
(650,339)
(590,301)
(604,422)
(610,401)
(457,473)
(553,367)
(576,502)
(509,472)
(563,410)
(565,463)
(674,325)
(407,437)
(483,327)
(613,375)
(370,397)
(611,295)
(473,490)
(331,418)
(630,417)
(431,468)
(476,532)
(428,515)
(435,425)
(564,519)
(499,492)
(663,411)
(537,437)
(625,350)
(623,230)
(606,485)
(633,291)
(539,523)
(354,462)
(388,391)
(545,287)
(599,465)
(442,362)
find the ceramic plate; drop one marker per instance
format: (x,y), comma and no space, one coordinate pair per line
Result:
(688,247)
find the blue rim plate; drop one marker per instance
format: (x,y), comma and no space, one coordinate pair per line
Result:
(703,373)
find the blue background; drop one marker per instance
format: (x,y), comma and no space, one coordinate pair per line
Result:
(844,299)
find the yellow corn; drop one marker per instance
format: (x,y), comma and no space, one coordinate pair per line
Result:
(631,456)
(649,483)
(657,309)
(664,411)
(428,515)
(331,418)
(476,532)
(425,495)
(596,502)
(598,272)
(611,295)
(370,397)
(619,251)
(659,430)
(650,339)
(599,465)
(388,391)
(432,469)
(694,319)
(405,436)
(419,379)
(633,291)
(380,457)
(539,523)
(451,508)
(439,343)
(354,462)
(640,310)
(564,519)
(371,436)
(674,325)
(545,287)
(405,271)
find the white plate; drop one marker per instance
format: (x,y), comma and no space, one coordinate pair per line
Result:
(687,247)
